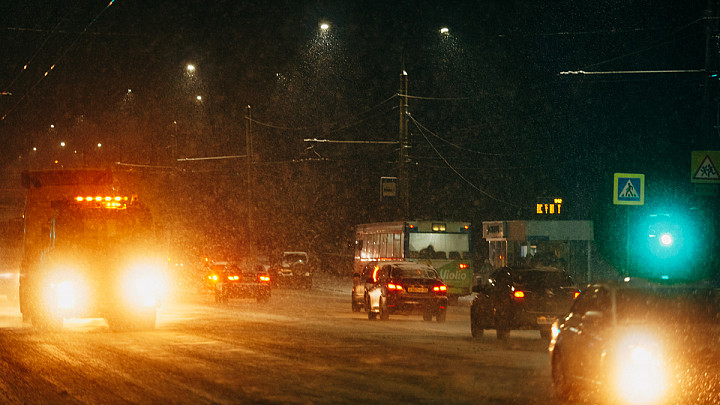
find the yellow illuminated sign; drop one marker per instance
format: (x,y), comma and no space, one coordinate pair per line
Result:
(549,208)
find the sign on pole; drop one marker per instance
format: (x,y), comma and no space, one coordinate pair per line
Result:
(629,189)
(388,188)
(703,166)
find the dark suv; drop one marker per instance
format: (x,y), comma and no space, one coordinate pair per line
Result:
(521,298)
(405,288)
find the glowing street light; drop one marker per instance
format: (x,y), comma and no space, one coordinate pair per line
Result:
(190,68)
(99,145)
(445,30)
(324,26)
(62,144)
(198,98)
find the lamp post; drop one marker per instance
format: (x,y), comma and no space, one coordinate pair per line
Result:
(403,175)
(249,153)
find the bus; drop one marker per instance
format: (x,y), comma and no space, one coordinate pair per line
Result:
(447,246)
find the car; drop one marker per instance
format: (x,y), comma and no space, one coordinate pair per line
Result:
(235,282)
(405,288)
(213,273)
(357,295)
(293,271)
(521,298)
(640,341)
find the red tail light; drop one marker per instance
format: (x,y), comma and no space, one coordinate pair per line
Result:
(519,294)
(394,287)
(264,278)
(463,266)
(440,289)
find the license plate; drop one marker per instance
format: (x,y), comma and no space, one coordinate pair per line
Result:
(543,320)
(417,290)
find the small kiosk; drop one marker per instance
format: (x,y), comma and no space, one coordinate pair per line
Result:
(564,244)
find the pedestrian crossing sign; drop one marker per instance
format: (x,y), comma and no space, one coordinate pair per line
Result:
(704,167)
(629,189)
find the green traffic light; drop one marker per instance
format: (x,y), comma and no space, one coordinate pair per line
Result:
(666,239)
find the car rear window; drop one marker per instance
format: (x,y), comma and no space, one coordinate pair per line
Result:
(538,278)
(413,272)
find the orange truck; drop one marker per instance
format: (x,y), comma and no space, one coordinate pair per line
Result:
(88,252)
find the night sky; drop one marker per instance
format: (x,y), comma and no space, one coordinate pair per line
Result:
(493,124)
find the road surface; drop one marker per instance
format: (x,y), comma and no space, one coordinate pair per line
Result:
(301,347)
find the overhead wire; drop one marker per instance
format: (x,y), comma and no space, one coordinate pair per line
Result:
(656,45)
(463,178)
(37,51)
(58,60)
(326,125)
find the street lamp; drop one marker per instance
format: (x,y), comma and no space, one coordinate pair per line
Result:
(190,68)
(62,144)
(324,26)
(445,30)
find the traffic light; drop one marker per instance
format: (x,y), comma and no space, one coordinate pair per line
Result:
(665,246)
(665,238)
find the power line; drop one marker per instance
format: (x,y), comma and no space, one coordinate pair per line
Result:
(656,45)
(483,192)
(332,124)
(630,72)
(438,98)
(59,59)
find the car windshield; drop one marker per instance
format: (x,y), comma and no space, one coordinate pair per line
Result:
(669,305)
(413,272)
(543,278)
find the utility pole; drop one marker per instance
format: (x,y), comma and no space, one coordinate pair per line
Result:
(403,175)
(248,153)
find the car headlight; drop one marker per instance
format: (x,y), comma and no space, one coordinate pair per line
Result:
(640,370)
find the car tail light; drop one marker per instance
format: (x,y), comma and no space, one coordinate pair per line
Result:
(463,266)
(394,287)
(233,278)
(440,289)
(576,294)
(519,294)
(264,278)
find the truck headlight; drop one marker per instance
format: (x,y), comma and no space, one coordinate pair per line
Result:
(640,373)
(65,294)
(143,288)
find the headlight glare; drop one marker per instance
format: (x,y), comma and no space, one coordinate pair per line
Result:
(640,376)
(143,287)
(65,294)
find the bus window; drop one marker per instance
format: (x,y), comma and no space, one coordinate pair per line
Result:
(397,245)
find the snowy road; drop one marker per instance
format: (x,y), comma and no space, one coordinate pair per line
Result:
(301,347)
